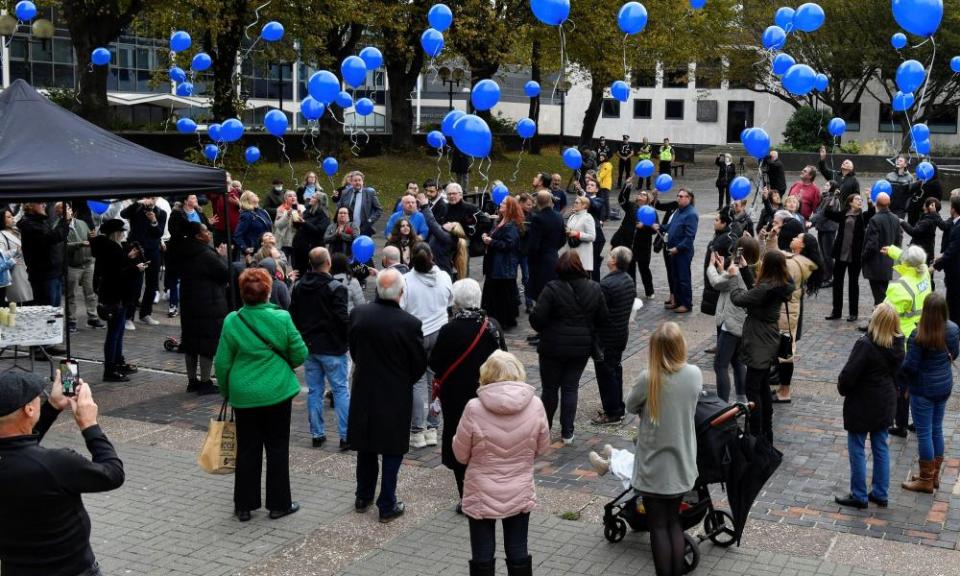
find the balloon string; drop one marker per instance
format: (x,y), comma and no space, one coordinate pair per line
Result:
(283,150)
(449,165)
(485,175)
(625,71)
(246,31)
(563,62)
(523,145)
(439,158)
(250,49)
(926,80)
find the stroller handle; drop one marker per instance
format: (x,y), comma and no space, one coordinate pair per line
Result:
(733,412)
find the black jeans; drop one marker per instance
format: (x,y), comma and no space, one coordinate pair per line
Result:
(785,373)
(610,382)
(758,392)
(623,169)
(641,262)
(879,290)
(560,375)
(368,468)
(483,538)
(723,192)
(459,472)
(150,281)
(903,401)
(727,356)
(258,429)
(826,250)
(852,271)
(597,257)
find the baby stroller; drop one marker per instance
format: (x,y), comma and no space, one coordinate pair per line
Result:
(717,429)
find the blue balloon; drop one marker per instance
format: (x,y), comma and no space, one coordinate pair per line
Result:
(231,130)
(644,169)
(449,120)
(646,215)
(526,128)
(837,127)
(740,188)
(918,17)
(898,40)
(757,142)
(551,12)
(572,158)
(531,89)
(177,74)
(925,171)
(782,63)
(363,248)
(363,106)
(784,18)
(97,206)
(180,41)
(808,17)
(324,86)
(922,147)
(185,89)
(251,154)
(485,94)
(354,71)
(499,194)
(920,132)
(275,122)
(799,79)
(272,31)
(632,18)
(432,42)
(201,62)
(372,57)
(440,17)
(903,101)
(472,136)
(186,126)
(910,76)
(344,99)
(620,90)
(311,109)
(880,187)
(821,83)
(210,152)
(774,38)
(25,10)
(698,4)
(436,139)
(955,64)
(100,57)
(330,165)
(213,131)
(664,183)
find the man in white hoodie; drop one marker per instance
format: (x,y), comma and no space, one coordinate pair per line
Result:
(428,295)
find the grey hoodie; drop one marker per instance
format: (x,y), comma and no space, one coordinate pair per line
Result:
(428,295)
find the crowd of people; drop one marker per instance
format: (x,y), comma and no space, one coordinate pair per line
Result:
(264,287)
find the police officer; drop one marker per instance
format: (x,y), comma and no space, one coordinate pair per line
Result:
(666,157)
(44,528)
(624,153)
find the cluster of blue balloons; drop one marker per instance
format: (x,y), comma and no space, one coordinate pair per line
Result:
(797,79)
(920,136)
(324,86)
(470,133)
(440,17)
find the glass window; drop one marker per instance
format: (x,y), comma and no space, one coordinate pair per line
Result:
(645,76)
(674,110)
(850,113)
(42,76)
(18,48)
(676,77)
(125,56)
(62,51)
(19,70)
(144,59)
(611,108)
(63,76)
(643,108)
(889,121)
(41,51)
(126,80)
(943,120)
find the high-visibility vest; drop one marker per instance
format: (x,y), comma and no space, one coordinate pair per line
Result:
(644,152)
(666,154)
(917,290)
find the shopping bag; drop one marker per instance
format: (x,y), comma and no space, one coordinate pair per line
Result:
(219,452)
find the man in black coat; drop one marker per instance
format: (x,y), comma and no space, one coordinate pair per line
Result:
(882,230)
(386,345)
(44,528)
(438,205)
(318,308)
(924,233)
(545,238)
(43,252)
(776,176)
(846,177)
(949,261)
(619,292)
(147,223)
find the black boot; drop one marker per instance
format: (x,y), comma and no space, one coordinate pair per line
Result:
(192,385)
(484,568)
(521,568)
(207,387)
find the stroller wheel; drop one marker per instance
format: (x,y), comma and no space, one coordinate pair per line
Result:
(170,344)
(615,531)
(718,526)
(691,554)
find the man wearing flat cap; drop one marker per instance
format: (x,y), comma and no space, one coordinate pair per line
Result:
(44,528)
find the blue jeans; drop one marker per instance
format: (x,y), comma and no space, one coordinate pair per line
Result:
(727,356)
(54,290)
(525,279)
(928,418)
(421,417)
(683,283)
(858,464)
(368,468)
(319,368)
(113,342)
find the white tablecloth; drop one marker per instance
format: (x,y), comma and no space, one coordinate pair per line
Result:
(34,328)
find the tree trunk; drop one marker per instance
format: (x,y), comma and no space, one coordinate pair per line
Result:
(402,76)
(226,100)
(534,114)
(592,114)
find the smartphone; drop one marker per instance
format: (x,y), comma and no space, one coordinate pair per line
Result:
(69,375)
(769,226)
(738,257)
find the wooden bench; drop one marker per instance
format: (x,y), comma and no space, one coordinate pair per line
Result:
(678,169)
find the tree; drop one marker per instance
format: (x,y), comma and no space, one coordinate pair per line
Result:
(401,24)
(92,24)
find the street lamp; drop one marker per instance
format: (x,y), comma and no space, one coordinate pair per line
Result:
(41,29)
(451,78)
(563,87)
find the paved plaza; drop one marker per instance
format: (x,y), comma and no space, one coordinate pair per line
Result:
(170,518)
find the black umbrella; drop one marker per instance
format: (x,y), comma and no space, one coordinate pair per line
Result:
(754,462)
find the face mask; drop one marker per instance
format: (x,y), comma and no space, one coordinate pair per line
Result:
(278,188)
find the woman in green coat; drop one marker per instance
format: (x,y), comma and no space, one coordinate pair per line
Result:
(258,352)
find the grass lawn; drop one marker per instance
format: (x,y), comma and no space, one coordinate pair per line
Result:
(389,173)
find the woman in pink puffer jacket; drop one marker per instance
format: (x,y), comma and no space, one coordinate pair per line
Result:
(500,434)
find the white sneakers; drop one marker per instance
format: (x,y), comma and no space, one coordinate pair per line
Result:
(149,321)
(417,440)
(430,435)
(567,441)
(129,325)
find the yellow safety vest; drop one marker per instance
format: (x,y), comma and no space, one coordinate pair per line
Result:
(907,293)
(644,153)
(666,154)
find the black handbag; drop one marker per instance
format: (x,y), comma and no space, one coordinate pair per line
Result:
(658,243)
(573,242)
(785,350)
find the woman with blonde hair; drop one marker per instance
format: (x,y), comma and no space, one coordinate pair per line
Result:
(499,436)
(665,467)
(254,221)
(869,402)
(448,242)
(582,232)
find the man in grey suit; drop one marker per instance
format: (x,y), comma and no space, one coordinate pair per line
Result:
(363,204)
